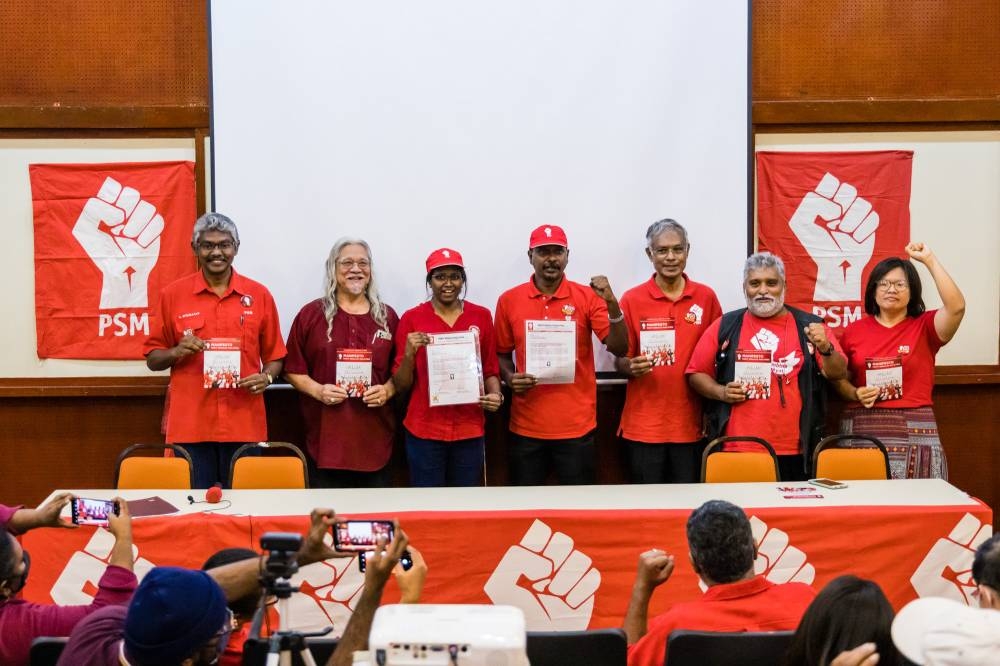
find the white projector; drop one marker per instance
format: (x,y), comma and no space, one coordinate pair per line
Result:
(448,635)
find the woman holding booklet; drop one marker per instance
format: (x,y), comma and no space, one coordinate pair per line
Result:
(340,361)
(891,361)
(446,355)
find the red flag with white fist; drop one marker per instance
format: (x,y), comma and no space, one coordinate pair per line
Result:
(108,238)
(832,217)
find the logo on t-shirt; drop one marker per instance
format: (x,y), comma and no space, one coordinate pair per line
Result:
(694,314)
(904,349)
(768,341)
(246,300)
(568,310)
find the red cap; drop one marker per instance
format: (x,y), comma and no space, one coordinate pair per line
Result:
(548,234)
(444,257)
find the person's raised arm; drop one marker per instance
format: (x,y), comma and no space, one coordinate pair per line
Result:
(47,515)
(120,526)
(403,377)
(162,359)
(411,583)
(655,567)
(617,339)
(378,569)
(834,366)
(949,317)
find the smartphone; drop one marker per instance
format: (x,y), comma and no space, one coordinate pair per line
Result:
(406,560)
(828,483)
(356,536)
(92,511)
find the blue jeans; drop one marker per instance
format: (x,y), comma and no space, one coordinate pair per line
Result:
(434,463)
(211,461)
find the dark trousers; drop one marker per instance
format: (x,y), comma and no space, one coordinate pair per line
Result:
(347,478)
(211,461)
(573,460)
(664,463)
(792,468)
(434,463)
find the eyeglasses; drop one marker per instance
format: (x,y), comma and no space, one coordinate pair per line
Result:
(664,252)
(446,277)
(223,636)
(900,285)
(225,246)
(348,264)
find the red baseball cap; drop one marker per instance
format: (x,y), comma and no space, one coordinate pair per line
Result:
(548,234)
(444,257)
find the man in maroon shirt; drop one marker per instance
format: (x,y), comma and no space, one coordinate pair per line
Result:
(21,621)
(722,552)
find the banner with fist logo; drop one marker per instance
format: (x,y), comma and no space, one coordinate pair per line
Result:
(108,237)
(831,217)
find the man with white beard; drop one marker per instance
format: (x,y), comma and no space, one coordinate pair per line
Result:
(762,370)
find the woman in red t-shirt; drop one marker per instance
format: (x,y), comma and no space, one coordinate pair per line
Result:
(891,360)
(445,425)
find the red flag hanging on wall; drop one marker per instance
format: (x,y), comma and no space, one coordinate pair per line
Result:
(832,217)
(108,237)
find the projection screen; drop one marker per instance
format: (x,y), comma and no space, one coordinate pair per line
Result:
(447,123)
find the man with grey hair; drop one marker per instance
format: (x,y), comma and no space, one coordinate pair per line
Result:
(661,424)
(218,333)
(762,369)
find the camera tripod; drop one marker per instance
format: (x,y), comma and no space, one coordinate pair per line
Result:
(284,643)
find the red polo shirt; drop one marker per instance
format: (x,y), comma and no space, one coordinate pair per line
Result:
(246,311)
(448,423)
(914,340)
(661,406)
(553,411)
(766,418)
(747,605)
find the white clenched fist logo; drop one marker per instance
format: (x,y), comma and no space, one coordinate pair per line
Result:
(837,229)
(84,569)
(947,569)
(777,559)
(554,584)
(121,234)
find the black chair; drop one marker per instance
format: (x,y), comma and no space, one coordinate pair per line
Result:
(752,648)
(600,647)
(45,650)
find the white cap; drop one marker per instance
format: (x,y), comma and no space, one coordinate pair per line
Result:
(941,632)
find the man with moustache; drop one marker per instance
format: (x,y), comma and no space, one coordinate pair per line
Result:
(552,425)
(802,352)
(215,308)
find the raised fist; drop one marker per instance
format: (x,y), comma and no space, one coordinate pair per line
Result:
(837,229)
(946,570)
(546,578)
(121,234)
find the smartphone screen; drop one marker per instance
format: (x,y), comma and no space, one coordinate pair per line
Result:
(360,535)
(828,483)
(406,561)
(91,511)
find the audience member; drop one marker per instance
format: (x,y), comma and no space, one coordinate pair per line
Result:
(846,614)
(445,444)
(722,553)
(891,355)
(933,631)
(552,424)
(986,573)
(661,424)
(180,616)
(243,609)
(21,621)
(212,327)
(350,424)
(762,369)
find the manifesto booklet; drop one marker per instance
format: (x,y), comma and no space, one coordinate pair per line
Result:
(222,363)
(887,374)
(354,371)
(454,369)
(550,350)
(656,340)
(753,372)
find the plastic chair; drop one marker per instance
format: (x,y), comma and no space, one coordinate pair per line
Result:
(832,461)
(697,648)
(45,650)
(140,472)
(600,647)
(262,472)
(738,467)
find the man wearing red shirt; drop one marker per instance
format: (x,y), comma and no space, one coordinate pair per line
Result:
(661,422)
(722,553)
(553,417)
(209,321)
(762,369)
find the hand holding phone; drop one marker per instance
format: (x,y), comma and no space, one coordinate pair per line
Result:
(829,484)
(405,561)
(357,536)
(92,511)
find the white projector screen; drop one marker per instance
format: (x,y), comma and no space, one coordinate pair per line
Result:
(447,123)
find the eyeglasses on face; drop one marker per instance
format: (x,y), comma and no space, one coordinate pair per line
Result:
(446,277)
(348,264)
(225,246)
(898,285)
